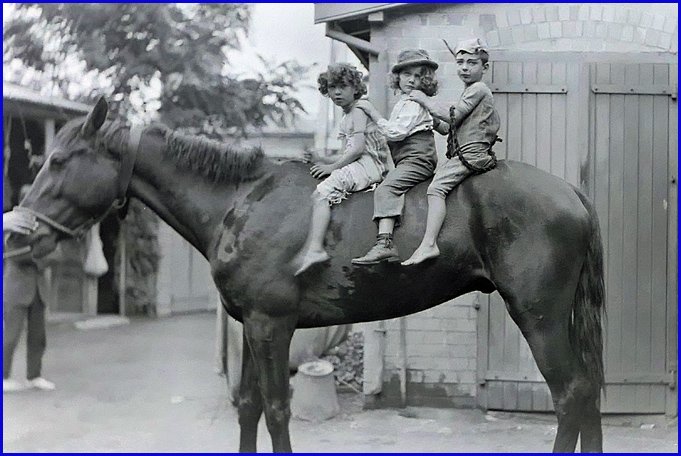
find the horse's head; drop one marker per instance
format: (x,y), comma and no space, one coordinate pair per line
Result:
(75,187)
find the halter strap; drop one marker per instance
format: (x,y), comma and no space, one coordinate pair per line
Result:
(127,165)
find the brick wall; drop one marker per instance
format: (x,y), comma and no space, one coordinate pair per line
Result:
(442,342)
(441,355)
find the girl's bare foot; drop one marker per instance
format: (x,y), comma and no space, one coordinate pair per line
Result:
(422,254)
(311,257)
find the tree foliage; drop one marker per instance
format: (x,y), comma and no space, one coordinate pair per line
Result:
(170,58)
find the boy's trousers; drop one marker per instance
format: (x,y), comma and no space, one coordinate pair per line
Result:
(415,160)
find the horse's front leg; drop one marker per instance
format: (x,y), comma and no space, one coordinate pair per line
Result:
(269,339)
(249,402)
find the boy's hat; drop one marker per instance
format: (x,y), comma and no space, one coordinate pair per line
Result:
(470,46)
(413,57)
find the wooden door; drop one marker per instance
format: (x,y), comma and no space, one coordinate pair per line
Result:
(631,133)
(619,121)
(538,105)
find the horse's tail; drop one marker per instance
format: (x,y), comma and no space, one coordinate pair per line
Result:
(588,311)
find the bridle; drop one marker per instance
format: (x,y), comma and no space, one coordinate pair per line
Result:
(127,165)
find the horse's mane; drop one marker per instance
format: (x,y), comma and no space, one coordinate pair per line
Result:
(214,160)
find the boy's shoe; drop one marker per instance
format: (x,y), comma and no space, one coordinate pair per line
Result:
(41,384)
(10,385)
(383,250)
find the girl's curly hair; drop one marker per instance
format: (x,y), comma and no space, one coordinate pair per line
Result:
(428,81)
(342,74)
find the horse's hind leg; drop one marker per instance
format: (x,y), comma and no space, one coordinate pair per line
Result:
(575,395)
(269,339)
(249,402)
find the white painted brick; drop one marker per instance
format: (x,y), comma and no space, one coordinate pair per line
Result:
(493,38)
(502,20)
(466,351)
(563,13)
(670,23)
(658,22)
(615,31)
(415,376)
(513,17)
(538,14)
(555,29)
(596,12)
(589,29)
(525,16)
(628,33)
(544,31)
(609,13)
(639,35)
(652,37)
(467,377)
(518,35)
(583,12)
(634,17)
(621,15)
(578,45)
(665,40)
(551,13)
(601,30)
(646,19)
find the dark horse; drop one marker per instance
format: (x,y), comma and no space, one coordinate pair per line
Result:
(516,229)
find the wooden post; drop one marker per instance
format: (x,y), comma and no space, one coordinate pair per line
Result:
(314,392)
(403,361)
(122,271)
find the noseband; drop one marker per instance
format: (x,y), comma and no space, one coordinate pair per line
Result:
(127,166)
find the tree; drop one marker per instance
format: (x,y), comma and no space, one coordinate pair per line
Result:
(170,58)
(166,62)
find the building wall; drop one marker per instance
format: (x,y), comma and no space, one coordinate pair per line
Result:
(441,343)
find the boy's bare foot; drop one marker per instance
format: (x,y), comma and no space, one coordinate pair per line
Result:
(422,254)
(310,258)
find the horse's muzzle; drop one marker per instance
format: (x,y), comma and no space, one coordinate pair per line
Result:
(41,242)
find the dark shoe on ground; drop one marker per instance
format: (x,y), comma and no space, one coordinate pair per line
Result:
(383,250)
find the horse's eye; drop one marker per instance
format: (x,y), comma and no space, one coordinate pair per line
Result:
(57,159)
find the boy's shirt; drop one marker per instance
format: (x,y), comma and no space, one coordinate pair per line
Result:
(477,120)
(407,117)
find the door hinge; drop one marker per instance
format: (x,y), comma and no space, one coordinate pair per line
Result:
(671,379)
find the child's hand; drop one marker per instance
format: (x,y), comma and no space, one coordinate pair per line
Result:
(310,154)
(19,222)
(319,171)
(419,97)
(367,107)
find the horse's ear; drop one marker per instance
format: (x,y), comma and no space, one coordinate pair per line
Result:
(95,119)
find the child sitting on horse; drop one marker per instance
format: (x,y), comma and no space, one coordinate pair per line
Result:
(474,123)
(362,163)
(409,132)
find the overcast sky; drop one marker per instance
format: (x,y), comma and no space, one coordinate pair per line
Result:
(286,31)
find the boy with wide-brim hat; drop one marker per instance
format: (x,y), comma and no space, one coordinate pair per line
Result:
(409,132)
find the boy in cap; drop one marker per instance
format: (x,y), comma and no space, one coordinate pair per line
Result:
(409,132)
(474,123)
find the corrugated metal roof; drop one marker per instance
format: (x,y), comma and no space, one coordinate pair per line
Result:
(16,94)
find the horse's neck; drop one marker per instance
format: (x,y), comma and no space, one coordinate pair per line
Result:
(191,205)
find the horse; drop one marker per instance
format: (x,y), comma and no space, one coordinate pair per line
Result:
(518,230)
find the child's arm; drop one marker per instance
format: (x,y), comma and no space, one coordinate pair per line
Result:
(401,123)
(440,126)
(352,150)
(471,97)
(312,155)
(435,109)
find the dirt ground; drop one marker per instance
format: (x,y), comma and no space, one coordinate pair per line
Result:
(150,386)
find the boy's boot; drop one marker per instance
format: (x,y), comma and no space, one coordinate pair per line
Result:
(383,250)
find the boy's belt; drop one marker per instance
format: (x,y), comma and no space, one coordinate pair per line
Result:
(454,148)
